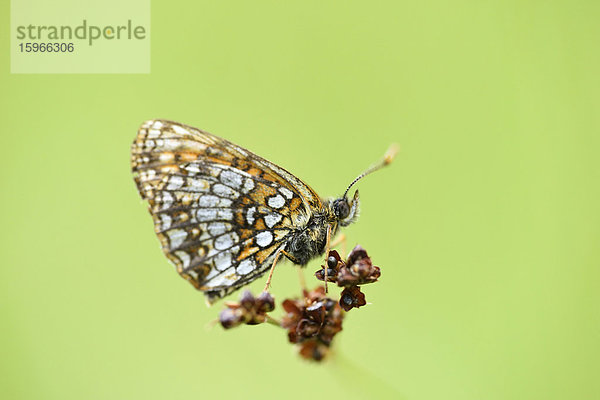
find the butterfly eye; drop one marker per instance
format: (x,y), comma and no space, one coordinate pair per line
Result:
(341,208)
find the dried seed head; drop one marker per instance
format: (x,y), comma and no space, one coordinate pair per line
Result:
(265,303)
(352,297)
(307,328)
(230,318)
(247,300)
(358,269)
(334,262)
(331,274)
(313,322)
(249,310)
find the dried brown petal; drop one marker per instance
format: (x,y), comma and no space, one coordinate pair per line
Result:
(345,277)
(293,336)
(361,268)
(293,316)
(331,328)
(356,254)
(291,307)
(307,328)
(316,294)
(316,312)
(313,350)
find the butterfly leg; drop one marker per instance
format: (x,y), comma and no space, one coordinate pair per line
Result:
(268,284)
(279,253)
(301,279)
(340,239)
(327,246)
(300,271)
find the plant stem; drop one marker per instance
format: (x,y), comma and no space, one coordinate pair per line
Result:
(273,321)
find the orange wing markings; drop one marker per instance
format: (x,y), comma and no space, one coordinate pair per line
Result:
(254,172)
(240,219)
(164,241)
(245,233)
(262,191)
(259,224)
(244,166)
(191,279)
(247,252)
(215,160)
(202,270)
(295,203)
(262,255)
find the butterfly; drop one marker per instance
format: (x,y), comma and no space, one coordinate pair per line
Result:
(225,215)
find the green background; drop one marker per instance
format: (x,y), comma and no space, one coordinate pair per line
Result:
(486,226)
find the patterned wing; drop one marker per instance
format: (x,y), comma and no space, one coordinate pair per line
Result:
(220,211)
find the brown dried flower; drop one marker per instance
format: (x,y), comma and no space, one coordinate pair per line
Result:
(312,321)
(358,269)
(314,350)
(249,310)
(352,297)
(334,262)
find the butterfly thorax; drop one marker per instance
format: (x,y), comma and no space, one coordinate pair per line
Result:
(310,241)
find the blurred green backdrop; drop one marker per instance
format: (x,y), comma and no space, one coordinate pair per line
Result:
(486,227)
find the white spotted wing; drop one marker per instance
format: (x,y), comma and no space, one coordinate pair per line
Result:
(220,211)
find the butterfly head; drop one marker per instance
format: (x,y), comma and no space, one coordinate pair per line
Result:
(345,211)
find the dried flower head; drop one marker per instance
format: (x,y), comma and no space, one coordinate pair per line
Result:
(358,269)
(314,350)
(334,262)
(249,310)
(312,321)
(352,297)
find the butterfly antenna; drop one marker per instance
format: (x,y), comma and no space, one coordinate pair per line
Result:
(387,159)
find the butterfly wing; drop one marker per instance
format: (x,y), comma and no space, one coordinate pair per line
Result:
(220,211)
